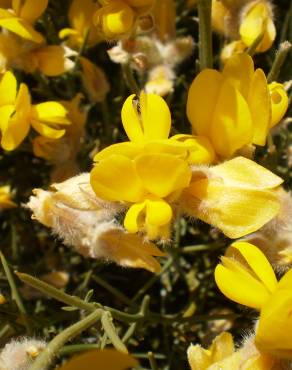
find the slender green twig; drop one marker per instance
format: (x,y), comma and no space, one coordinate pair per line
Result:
(252,48)
(74,348)
(205,34)
(107,324)
(280,57)
(53,348)
(152,361)
(130,79)
(14,292)
(112,290)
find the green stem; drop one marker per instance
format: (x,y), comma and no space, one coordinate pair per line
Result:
(253,47)
(107,324)
(205,34)
(53,348)
(112,290)
(152,361)
(14,292)
(280,58)
(130,79)
(74,348)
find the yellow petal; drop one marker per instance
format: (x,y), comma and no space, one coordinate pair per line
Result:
(199,148)
(158,212)
(155,116)
(114,19)
(31,10)
(260,107)
(162,174)
(51,112)
(130,250)
(253,24)
(259,264)
(279,101)
(202,98)
(127,149)
(154,121)
(21,28)
(8,88)
(237,284)
(232,124)
(241,171)
(135,217)
(199,358)
(100,359)
(66,32)
(47,131)
(51,60)
(239,70)
(222,346)
(115,178)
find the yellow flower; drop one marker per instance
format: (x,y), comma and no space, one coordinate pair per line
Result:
(62,152)
(94,81)
(147,123)
(80,20)
(222,355)
(238,196)
(243,22)
(257,19)
(248,278)
(5,197)
(117,18)
(236,107)
(21,18)
(148,184)
(18,114)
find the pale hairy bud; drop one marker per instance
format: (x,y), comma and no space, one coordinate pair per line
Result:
(74,213)
(160,80)
(20,354)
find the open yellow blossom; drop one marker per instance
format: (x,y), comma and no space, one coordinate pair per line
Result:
(51,60)
(117,18)
(222,355)
(244,22)
(247,277)
(148,183)
(235,107)
(18,114)
(21,18)
(5,197)
(147,123)
(81,25)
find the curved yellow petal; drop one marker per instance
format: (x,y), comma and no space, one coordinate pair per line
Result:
(279,101)
(131,120)
(199,148)
(158,212)
(202,99)
(114,19)
(232,123)
(259,264)
(127,149)
(51,112)
(135,217)
(241,171)
(260,107)
(66,32)
(31,10)
(8,88)
(21,28)
(239,285)
(47,131)
(239,70)
(115,178)
(155,116)
(162,174)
